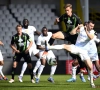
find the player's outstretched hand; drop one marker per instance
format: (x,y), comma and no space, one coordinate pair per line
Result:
(1,43)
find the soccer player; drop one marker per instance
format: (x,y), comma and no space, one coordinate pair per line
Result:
(41,42)
(71,21)
(19,45)
(2,63)
(94,57)
(30,30)
(86,34)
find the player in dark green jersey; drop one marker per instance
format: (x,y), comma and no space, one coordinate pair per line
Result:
(19,45)
(71,21)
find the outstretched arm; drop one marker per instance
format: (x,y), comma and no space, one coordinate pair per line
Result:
(37,32)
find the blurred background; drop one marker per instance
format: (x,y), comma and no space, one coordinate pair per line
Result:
(42,13)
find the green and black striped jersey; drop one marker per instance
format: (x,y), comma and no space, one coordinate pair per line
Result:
(20,41)
(70,22)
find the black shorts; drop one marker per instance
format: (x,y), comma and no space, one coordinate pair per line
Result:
(70,38)
(74,56)
(18,57)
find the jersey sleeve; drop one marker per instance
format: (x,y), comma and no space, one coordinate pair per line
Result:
(78,20)
(39,41)
(92,32)
(12,40)
(33,28)
(50,34)
(61,18)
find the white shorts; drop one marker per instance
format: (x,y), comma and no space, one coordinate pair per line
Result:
(92,52)
(49,55)
(94,57)
(81,52)
(1,57)
(33,50)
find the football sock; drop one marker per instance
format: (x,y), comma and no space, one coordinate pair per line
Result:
(38,63)
(91,77)
(78,70)
(13,72)
(31,73)
(53,69)
(23,68)
(81,74)
(40,71)
(74,72)
(1,71)
(51,41)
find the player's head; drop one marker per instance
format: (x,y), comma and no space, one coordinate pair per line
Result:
(90,25)
(19,29)
(68,9)
(25,23)
(44,31)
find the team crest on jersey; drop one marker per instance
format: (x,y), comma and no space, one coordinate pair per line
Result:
(69,21)
(20,42)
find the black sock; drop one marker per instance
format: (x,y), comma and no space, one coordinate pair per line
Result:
(13,72)
(78,70)
(51,41)
(31,73)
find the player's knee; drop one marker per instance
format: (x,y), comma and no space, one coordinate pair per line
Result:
(14,65)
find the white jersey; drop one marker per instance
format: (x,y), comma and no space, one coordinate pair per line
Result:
(85,43)
(82,46)
(82,38)
(30,31)
(41,39)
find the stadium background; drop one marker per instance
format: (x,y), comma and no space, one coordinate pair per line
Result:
(42,13)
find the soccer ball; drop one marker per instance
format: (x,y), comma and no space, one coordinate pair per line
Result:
(51,61)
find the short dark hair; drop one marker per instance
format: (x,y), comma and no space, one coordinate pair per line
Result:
(68,5)
(25,20)
(85,23)
(90,21)
(44,28)
(18,26)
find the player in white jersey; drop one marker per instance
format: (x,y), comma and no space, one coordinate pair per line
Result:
(30,30)
(93,56)
(85,35)
(80,67)
(42,39)
(1,63)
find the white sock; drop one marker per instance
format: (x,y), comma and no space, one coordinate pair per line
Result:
(23,69)
(38,63)
(91,77)
(81,74)
(56,47)
(40,71)
(53,69)
(74,72)
(1,71)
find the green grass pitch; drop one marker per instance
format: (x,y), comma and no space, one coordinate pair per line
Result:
(60,84)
